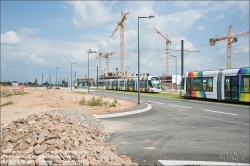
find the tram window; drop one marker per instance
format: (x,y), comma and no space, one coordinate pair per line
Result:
(227,85)
(121,83)
(208,84)
(142,83)
(245,87)
(234,84)
(197,84)
(150,84)
(182,83)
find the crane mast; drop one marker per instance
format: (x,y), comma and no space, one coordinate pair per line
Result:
(230,40)
(100,61)
(121,25)
(167,43)
(107,61)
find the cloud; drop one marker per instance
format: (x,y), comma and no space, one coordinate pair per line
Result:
(28,31)
(10,38)
(201,27)
(90,13)
(219,17)
(182,4)
(244,7)
(37,60)
(65,7)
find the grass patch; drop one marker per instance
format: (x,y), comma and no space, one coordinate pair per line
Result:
(7,103)
(82,102)
(114,103)
(20,93)
(80,93)
(7,93)
(95,101)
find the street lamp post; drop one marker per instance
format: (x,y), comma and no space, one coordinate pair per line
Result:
(138,87)
(50,77)
(71,75)
(89,52)
(56,75)
(175,72)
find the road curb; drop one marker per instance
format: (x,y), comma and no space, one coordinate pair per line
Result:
(149,107)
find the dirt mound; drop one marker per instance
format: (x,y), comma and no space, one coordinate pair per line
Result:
(56,139)
(2,88)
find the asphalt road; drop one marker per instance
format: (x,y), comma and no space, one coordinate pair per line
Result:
(182,130)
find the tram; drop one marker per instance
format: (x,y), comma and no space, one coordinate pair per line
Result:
(228,84)
(147,84)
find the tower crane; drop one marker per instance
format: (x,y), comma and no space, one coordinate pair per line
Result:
(167,43)
(100,61)
(121,25)
(107,61)
(231,38)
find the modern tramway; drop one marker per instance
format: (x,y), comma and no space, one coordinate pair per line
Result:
(228,84)
(147,84)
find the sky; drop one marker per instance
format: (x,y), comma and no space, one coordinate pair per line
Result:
(39,36)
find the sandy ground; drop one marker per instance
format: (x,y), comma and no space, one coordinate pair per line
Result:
(41,100)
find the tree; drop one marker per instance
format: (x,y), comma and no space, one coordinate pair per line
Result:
(36,83)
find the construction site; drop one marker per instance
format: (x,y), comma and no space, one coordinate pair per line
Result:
(167,80)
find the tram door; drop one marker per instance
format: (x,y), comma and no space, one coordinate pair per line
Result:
(231,88)
(188,87)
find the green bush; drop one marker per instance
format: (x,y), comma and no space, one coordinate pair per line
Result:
(96,102)
(7,103)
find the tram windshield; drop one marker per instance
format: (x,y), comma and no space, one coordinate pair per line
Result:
(156,82)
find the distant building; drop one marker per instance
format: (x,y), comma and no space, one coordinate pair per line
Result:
(14,84)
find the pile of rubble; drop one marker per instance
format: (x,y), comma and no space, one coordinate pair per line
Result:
(58,138)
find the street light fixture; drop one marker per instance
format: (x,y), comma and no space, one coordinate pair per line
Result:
(89,52)
(175,72)
(71,75)
(56,75)
(138,87)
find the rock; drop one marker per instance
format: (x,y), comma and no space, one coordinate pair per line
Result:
(113,148)
(7,151)
(91,162)
(41,140)
(69,163)
(56,138)
(28,140)
(7,138)
(30,162)
(39,149)
(23,147)
(40,161)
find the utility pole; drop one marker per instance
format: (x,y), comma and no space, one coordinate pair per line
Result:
(97,77)
(182,58)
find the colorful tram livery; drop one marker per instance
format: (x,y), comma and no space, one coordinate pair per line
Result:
(228,84)
(147,84)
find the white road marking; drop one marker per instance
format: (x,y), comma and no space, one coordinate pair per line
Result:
(219,112)
(148,148)
(179,106)
(201,163)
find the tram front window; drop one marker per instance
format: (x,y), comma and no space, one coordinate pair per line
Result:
(156,82)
